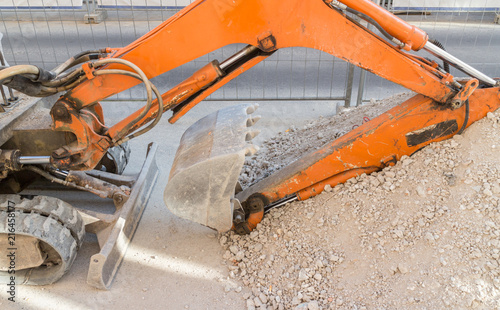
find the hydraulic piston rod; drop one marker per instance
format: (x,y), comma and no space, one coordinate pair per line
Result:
(34,160)
(460,65)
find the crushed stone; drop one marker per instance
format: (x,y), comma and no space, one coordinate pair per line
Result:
(424,233)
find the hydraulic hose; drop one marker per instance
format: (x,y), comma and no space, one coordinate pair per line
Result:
(17,70)
(146,108)
(71,61)
(446,66)
(143,77)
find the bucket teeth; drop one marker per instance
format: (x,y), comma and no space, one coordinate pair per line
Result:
(251,134)
(252,120)
(251,150)
(252,108)
(207,166)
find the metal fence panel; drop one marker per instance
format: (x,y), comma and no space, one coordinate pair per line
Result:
(48,36)
(472,36)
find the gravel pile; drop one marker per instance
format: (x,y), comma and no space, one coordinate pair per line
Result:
(424,233)
(290,145)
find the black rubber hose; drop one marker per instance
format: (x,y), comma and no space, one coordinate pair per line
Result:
(466,119)
(446,66)
(371,21)
(87,52)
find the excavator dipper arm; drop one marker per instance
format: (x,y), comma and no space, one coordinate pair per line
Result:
(205,26)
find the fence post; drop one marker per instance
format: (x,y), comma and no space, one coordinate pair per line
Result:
(362,77)
(94,15)
(348,91)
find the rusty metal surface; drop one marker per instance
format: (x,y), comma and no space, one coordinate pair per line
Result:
(107,189)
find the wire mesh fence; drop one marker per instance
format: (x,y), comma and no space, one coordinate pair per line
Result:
(47,37)
(48,32)
(468,29)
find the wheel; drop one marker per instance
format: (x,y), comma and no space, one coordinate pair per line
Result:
(116,159)
(41,236)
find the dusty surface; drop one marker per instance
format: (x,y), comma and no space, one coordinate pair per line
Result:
(423,234)
(171,263)
(287,146)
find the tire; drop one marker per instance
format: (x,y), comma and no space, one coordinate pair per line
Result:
(56,225)
(115,160)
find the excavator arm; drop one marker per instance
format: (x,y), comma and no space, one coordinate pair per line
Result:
(205,26)
(212,152)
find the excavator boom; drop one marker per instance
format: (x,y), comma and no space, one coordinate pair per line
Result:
(206,26)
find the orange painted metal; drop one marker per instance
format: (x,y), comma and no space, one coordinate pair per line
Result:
(248,65)
(86,125)
(467,90)
(413,37)
(254,219)
(200,80)
(401,131)
(250,223)
(171,98)
(207,25)
(339,178)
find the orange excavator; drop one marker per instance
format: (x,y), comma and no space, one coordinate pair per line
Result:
(71,145)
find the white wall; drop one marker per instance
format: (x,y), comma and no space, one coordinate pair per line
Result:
(144,3)
(446,4)
(39,3)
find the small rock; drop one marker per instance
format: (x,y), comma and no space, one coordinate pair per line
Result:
(223,240)
(421,191)
(250,304)
(313,305)
(403,268)
(239,256)
(234,249)
(303,275)
(296,301)
(488,192)
(303,306)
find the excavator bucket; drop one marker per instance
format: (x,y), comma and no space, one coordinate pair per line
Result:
(207,165)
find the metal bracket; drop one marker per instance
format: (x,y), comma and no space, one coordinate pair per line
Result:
(464,93)
(104,265)
(267,42)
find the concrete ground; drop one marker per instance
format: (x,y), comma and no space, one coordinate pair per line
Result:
(171,263)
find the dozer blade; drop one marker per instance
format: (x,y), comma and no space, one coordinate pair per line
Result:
(207,165)
(105,264)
